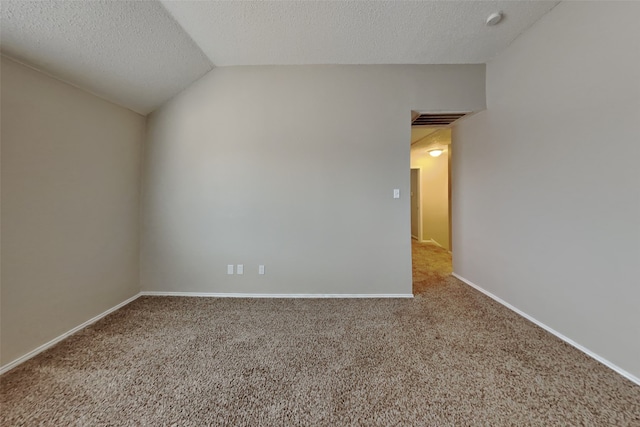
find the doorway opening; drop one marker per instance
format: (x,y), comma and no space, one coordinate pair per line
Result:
(430,173)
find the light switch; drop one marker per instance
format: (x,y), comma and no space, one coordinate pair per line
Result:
(396,193)
(230,269)
(240,269)
(261,269)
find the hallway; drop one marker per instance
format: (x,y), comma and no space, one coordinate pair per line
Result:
(431,265)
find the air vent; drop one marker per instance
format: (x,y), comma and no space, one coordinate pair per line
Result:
(437,119)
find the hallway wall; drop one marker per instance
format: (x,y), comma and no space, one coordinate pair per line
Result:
(434,186)
(545,182)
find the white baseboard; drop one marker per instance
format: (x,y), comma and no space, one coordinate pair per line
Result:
(56,340)
(240,295)
(569,341)
(433,242)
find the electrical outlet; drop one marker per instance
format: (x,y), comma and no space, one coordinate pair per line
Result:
(230,269)
(240,269)
(261,269)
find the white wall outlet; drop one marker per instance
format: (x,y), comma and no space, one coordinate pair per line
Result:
(261,269)
(239,269)
(230,269)
(396,193)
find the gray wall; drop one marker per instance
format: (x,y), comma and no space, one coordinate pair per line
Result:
(290,167)
(70,200)
(546,182)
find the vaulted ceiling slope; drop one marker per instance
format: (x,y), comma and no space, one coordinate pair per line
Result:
(353,32)
(139,54)
(132,53)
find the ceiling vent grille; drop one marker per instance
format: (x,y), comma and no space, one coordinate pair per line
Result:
(436,119)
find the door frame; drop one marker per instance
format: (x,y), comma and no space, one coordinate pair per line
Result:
(419,201)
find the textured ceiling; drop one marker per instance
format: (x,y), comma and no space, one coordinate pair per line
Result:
(129,52)
(438,139)
(139,54)
(418,133)
(352,32)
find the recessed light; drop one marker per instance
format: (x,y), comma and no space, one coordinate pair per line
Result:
(494,19)
(435,153)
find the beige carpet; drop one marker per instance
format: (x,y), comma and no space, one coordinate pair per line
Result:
(451,356)
(431,265)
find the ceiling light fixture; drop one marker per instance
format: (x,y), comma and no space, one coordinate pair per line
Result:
(435,153)
(494,19)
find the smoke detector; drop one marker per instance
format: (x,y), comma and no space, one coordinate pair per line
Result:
(494,19)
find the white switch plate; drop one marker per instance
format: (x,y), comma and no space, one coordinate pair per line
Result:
(261,269)
(230,269)
(396,193)
(240,269)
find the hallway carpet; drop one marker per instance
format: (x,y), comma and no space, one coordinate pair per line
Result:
(431,265)
(450,356)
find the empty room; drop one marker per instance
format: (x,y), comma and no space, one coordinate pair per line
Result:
(319,213)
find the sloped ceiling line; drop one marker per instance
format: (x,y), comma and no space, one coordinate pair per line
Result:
(132,53)
(139,54)
(352,32)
